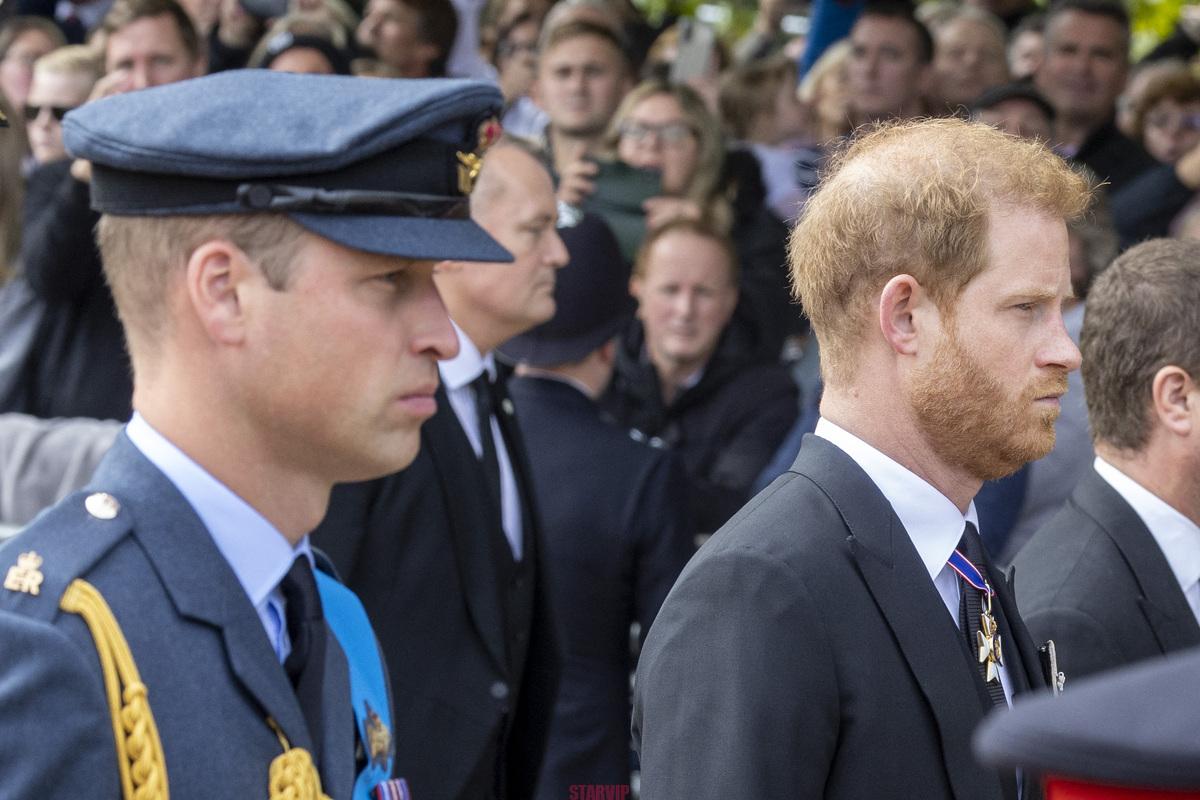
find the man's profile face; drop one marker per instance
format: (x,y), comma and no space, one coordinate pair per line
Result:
(344,363)
(987,398)
(1085,66)
(522,217)
(391,29)
(685,299)
(580,83)
(885,73)
(968,59)
(148,52)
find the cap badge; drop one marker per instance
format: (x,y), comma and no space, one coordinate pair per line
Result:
(26,576)
(469,165)
(102,505)
(3,120)
(379,739)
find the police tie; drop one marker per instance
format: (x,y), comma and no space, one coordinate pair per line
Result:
(485,408)
(305,664)
(975,613)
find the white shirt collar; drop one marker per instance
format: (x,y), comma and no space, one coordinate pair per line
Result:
(468,365)
(1177,536)
(258,553)
(933,522)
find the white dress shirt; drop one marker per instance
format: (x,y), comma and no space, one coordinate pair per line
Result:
(457,373)
(932,521)
(1177,536)
(256,551)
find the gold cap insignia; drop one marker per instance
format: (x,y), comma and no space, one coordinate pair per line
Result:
(26,576)
(379,738)
(469,164)
(102,505)
(3,120)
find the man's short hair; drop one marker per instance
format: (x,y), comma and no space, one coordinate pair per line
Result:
(575,29)
(437,25)
(143,255)
(1143,313)
(902,11)
(75,59)
(750,90)
(1113,9)
(698,228)
(125,12)
(914,198)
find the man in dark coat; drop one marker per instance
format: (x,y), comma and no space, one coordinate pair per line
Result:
(1113,577)
(614,511)
(843,634)
(447,556)
(676,384)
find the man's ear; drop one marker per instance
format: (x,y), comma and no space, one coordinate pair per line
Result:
(900,304)
(1174,398)
(217,276)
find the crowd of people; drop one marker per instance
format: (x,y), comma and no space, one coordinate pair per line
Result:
(640,340)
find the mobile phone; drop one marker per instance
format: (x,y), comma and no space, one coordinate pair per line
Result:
(696,44)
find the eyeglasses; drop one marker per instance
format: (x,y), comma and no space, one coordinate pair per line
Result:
(1166,119)
(671,134)
(58,112)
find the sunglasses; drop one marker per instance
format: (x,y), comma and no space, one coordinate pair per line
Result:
(58,112)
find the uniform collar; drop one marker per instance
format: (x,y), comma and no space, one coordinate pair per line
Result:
(468,365)
(256,551)
(1177,536)
(932,521)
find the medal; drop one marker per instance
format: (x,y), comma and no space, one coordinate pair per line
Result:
(989,641)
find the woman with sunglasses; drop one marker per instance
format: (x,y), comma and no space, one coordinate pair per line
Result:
(62,80)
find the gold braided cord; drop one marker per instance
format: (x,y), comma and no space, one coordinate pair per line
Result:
(140,757)
(293,775)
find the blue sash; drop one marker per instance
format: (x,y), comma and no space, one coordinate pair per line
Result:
(368,685)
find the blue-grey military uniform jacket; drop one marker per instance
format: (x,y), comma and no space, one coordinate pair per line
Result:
(198,643)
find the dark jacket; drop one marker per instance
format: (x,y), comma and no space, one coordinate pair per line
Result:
(1113,157)
(805,653)
(614,512)
(1095,581)
(79,366)
(473,687)
(725,428)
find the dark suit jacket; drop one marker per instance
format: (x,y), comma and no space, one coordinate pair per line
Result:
(199,645)
(617,536)
(418,549)
(805,653)
(1095,581)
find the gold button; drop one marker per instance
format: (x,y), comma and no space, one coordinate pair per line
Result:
(102,505)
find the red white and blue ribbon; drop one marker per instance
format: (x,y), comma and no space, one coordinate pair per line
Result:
(969,572)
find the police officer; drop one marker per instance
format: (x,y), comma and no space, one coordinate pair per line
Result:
(270,241)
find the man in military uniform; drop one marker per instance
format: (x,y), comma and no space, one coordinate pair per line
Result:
(270,241)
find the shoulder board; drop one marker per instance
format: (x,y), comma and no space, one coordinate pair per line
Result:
(62,544)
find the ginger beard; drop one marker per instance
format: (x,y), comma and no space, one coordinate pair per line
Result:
(970,420)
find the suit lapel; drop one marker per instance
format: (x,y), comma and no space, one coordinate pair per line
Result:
(1162,601)
(200,582)
(926,634)
(462,481)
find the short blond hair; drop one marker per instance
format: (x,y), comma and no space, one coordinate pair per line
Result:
(913,198)
(74,59)
(143,256)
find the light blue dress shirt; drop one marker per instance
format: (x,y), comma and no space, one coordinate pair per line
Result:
(256,551)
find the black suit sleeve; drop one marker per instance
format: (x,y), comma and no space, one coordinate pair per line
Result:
(664,537)
(736,692)
(58,250)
